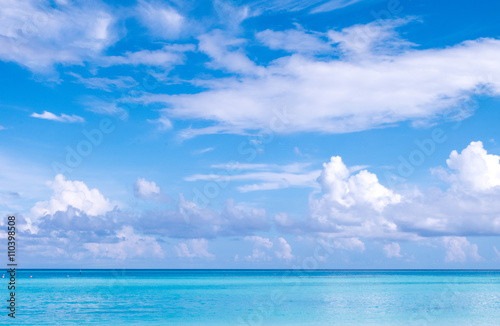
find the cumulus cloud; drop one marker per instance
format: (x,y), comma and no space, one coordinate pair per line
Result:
(459,249)
(67,193)
(128,245)
(392,250)
(194,248)
(146,189)
(62,118)
(476,169)
(342,188)
(357,205)
(372,87)
(467,207)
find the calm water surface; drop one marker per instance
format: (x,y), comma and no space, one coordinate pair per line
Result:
(256,297)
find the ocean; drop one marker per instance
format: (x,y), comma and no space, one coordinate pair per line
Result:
(254,297)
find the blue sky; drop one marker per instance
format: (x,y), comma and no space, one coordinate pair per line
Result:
(264,134)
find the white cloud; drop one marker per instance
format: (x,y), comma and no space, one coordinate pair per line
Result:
(341,188)
(272,176)
(237,166)
(105,84)
(194,219)
(217,45)
(376,38)
(259,241)
(257,255)
(468,207)
(313,6)
(129,245)
(260,250)
(146,189)
(459,249)
(373,87)
(163,123)
(38,35)
(352,244)
(101,106)
(476,169)
(333,5)
(161,20)
(165,57)
(357,205)
(293,41)
(2,127)
(203,150)
(230,15)
(62,118)
(194,248)
(392,250)
(285,251)
(76,194)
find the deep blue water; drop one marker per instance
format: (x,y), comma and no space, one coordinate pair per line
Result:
(254,297)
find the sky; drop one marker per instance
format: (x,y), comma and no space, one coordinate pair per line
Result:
(258,134)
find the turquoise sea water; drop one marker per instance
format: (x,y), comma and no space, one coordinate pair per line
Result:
(254,297)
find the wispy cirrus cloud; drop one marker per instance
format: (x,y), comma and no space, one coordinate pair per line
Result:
(166,57)
(38,35)
(105,84)
(203,150)
(374,79)
(313,6)
(102,105)
(161,20)
(270,176)
(61,118)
